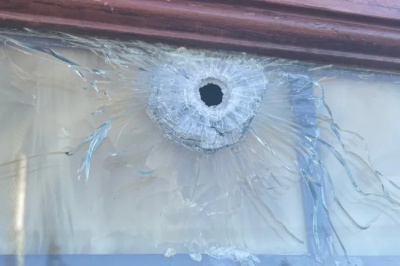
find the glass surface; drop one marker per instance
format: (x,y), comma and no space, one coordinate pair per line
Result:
(110,147)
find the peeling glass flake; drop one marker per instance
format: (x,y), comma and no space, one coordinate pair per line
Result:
(148,148)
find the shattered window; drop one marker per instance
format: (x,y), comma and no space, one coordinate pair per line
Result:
(178,156)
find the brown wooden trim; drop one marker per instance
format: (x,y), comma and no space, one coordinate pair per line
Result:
(329,31)
(385,9)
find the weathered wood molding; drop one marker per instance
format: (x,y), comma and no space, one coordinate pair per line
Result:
(362,33)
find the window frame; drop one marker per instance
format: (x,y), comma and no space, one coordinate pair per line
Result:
(364,33)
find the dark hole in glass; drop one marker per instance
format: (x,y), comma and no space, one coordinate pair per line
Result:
(211,94)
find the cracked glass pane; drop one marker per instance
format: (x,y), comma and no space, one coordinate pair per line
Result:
(371,108)
(113,147)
